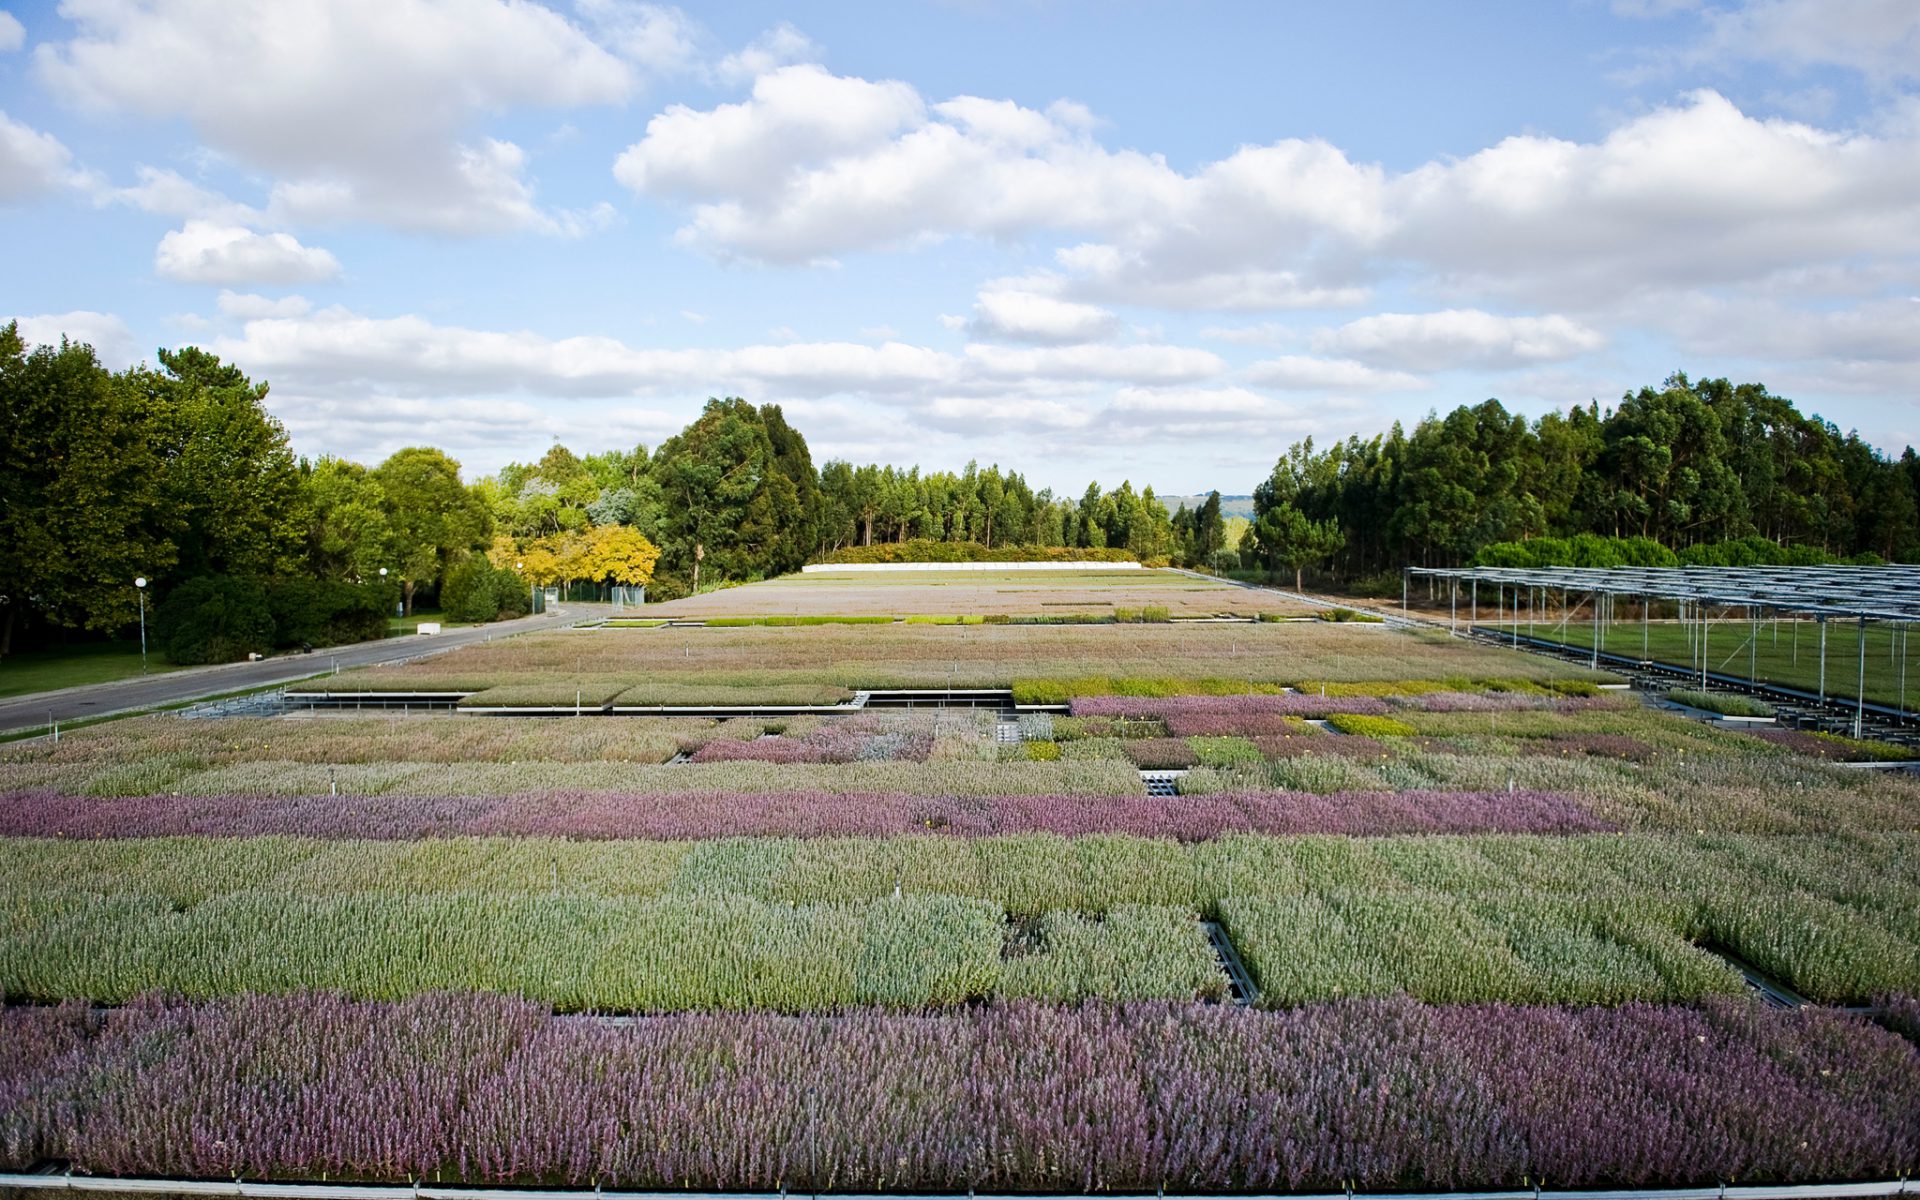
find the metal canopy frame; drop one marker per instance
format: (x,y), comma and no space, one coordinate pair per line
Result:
(1887,594)
(1869,593)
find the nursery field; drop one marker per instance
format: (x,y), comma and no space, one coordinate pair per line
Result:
(823,664)
(1089,592)
(1420,915)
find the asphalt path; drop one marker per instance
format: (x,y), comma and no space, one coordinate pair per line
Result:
(149,691)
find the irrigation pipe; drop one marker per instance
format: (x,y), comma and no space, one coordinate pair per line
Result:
(251,1190)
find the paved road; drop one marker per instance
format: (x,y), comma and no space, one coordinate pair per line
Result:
(127,695)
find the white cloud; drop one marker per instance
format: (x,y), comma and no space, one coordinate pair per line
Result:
(1144,363)
(169,194)
(1017,314)
(781,46)
(1301,373)
(13,35)
(1695,194)
(1878,38)
(361,108)
(816,165)
(1883,329)
(31,162)
(206,252)
(1438,341)
(249,307)
(1140,414)
(795,115)
(109,336)
(659,38)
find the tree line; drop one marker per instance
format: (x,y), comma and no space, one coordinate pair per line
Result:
(178,475)
(1686,468)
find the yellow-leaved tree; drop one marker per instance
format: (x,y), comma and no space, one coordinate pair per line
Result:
(618,554)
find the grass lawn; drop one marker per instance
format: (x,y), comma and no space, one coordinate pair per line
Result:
(397,626)
(71,666)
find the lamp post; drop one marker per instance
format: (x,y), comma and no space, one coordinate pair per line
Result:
(140,590)
(532,600)
(399,606)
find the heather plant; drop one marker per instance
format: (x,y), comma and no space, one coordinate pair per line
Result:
(1729,704)
(1365,725)
(883,762)
(1471,702)
(1200,813)
(1036,727)
(1221,724)
(1094,749)
(1222,658)
(1133,952)
(667,694)
(1832,746)
(1282,705)
(667,954)
(1161,754)
(1225,751)
(1900,1014)
(1188,1098)
(1833,917)
(587,692)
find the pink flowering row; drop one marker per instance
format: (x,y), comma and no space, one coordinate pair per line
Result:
(792,814)
(1382,1094)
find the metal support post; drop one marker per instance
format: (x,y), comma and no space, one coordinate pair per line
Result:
(1596,630)
(1706,631)
(1860,695)
(1821,620)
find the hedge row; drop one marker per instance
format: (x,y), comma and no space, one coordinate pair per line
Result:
(921,551)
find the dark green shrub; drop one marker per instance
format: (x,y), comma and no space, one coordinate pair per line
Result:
(476,591)
(315,612)
(215,618)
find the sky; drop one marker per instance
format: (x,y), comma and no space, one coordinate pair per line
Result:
(1086,241)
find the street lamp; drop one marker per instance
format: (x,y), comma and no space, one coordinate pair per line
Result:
(140,590)
(532,600)
(399,606)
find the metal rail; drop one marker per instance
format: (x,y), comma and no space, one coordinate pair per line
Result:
(264,1190)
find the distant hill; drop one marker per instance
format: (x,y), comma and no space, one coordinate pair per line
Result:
(1230,506)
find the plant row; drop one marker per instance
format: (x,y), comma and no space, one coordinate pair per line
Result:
(1011,1097)
(771,768)
(1597,918)
(1229,658)
(700,815)
(666,954)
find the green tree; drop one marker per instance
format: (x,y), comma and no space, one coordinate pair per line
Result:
(724,501)
(229,482)
(81,506)
(434,520)
(348,534)
(1284,536)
